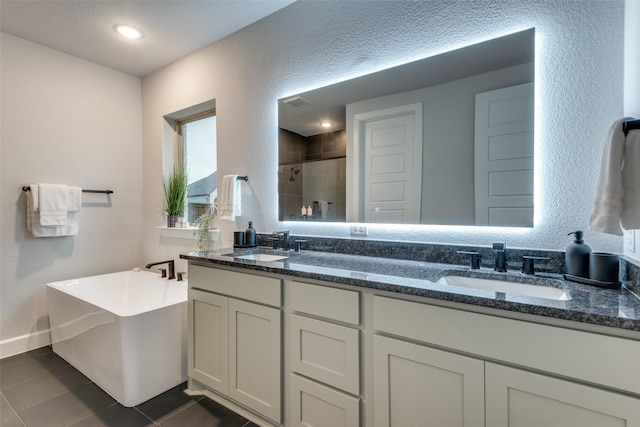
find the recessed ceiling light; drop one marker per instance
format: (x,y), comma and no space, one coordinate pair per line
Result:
(326,124)
(128,31)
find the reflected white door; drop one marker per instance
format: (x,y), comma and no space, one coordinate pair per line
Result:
(504,156)
(391,140)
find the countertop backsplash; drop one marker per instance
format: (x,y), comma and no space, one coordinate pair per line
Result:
(630,274)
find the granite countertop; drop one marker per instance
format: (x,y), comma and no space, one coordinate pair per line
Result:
(616,308)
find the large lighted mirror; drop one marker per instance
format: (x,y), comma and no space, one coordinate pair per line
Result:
(444,140)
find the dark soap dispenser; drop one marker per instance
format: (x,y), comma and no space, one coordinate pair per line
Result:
(577,256)
(250,236)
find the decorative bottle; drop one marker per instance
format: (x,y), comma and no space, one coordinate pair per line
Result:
(577,256)
(250,235)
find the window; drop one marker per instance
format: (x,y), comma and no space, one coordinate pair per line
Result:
(197,150)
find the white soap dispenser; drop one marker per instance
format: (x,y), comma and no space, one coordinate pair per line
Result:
(309,210)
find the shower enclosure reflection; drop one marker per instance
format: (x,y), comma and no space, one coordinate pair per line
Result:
(312,173)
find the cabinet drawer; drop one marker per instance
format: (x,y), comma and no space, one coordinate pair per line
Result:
(265,290)
(323,301)
(325,352)
(313,404)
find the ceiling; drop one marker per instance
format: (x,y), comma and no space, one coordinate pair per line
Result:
(329,103)
(173,29)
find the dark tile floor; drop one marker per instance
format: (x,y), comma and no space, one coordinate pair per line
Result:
(40,389)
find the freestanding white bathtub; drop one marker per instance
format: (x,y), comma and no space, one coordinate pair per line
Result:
(125,331)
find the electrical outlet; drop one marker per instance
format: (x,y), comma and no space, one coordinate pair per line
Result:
(630,241)
(359,230)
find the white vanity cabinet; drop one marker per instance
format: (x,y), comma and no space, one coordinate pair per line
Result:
(324,356)
(209,339)
(415,384)
(235,337)
(517,398)
(351,356)
(418,382)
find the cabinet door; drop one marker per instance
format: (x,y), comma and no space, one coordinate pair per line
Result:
(254,357)
(416,385)
(517,398)
(314,405)
(325,352)
(208,360)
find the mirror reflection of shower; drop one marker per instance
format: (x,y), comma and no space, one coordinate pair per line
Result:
(293,171)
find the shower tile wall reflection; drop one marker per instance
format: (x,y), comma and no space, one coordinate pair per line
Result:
(305,183)
(312,169)
(290,191)
(326,180)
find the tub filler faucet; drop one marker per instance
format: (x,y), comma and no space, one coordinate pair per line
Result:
(170,263)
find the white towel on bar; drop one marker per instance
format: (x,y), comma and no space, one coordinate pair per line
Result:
(324,208)
(69,228)
(74,200)
(33,223)
(53,204)
(630,214)
(618,195)
(73,203)
(230,198)
(32,195)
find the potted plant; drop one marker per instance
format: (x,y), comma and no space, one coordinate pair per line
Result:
(201,231)
(175,195)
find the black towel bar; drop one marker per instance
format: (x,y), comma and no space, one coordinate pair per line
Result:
(630,125)
(242,178)
(27,188)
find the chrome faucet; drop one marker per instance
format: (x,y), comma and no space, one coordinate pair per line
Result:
(501,257)
(171,265)
(286,244)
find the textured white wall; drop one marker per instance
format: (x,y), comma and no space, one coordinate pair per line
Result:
(64,120)
(579,88)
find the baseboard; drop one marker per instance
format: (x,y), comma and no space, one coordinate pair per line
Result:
(24,343)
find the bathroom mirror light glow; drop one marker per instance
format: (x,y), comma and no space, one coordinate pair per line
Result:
(444,86)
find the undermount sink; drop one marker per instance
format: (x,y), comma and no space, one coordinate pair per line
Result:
(504,286)
(258,256)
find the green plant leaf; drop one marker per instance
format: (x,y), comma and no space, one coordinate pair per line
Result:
(175,192)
